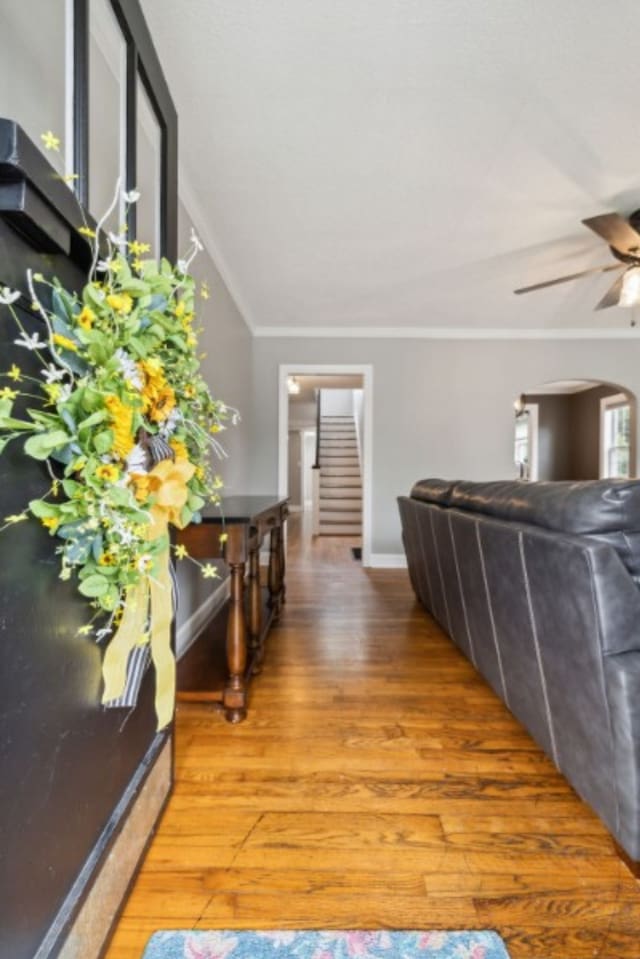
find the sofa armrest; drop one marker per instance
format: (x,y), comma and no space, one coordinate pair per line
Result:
(617,601)
(622,678)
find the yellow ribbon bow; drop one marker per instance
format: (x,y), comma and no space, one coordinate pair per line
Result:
(150,600)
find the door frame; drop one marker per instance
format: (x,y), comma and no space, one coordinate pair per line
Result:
(286,370)
(305,465)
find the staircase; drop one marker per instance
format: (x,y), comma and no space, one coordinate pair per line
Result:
(340,510)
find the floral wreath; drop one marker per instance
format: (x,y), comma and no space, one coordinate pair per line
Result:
(125,424)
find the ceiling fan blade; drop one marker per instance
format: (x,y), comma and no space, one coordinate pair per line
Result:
(616,231)
(572,276)
(612,296)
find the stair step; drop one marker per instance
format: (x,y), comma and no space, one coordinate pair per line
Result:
(337,453)
(338,445)
(340,516)
(340,492)
(341,529)
(340,476)
(345,468)
(340,502)
(339,472)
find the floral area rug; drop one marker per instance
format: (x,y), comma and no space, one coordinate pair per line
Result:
(308,944)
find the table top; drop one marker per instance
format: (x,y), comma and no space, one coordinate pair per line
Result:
(242,509)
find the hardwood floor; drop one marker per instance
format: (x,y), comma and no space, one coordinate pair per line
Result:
(376,782)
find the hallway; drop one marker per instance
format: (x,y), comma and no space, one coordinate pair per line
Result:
(376,782)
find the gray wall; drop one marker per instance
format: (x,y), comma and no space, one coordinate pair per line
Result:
(440,407)
(302,415)
(227,366)
(336,402)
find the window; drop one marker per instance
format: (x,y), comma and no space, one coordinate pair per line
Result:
(522,443)
(87,71)
(615,437)
(526,442)
(107,110)
(34,60)
(149,167)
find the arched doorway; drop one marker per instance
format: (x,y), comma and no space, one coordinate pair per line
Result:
(574,430)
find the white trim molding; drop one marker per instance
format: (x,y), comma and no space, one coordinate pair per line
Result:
(443,333)
(318,369)
(533,409)
(388,561)
(607,403)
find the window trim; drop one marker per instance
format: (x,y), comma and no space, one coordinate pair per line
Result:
(614,401)
(532,410)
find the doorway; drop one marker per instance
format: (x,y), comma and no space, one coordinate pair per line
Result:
(289,372)
(575,430)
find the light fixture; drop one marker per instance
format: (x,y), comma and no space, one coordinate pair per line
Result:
(630,292)
(293,387)
(520,405)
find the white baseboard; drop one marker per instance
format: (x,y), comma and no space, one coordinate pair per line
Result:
(388,561)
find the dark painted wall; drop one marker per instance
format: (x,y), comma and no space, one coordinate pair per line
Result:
(68,767)
(64,761)
(553,433)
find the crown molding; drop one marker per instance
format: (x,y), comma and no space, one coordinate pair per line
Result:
(441,333)
(187,195)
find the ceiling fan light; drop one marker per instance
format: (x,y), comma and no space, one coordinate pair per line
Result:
(630,292)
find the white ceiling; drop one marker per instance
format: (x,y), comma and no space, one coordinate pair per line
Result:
(406,164)
(564,387)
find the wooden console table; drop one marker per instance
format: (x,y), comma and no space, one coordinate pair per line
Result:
(244,521)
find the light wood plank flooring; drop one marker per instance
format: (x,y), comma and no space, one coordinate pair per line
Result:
(378,782)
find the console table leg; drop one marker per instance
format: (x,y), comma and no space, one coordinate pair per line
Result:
(283,567)
(274,570)
(255,609)
(235,693)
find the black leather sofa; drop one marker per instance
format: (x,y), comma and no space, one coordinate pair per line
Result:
(538,584)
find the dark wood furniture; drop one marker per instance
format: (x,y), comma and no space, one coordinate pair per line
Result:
(208,672)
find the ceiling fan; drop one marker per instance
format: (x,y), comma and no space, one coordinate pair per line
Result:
(623,237)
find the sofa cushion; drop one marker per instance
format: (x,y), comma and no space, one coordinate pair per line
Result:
(433,491)
(606,510)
